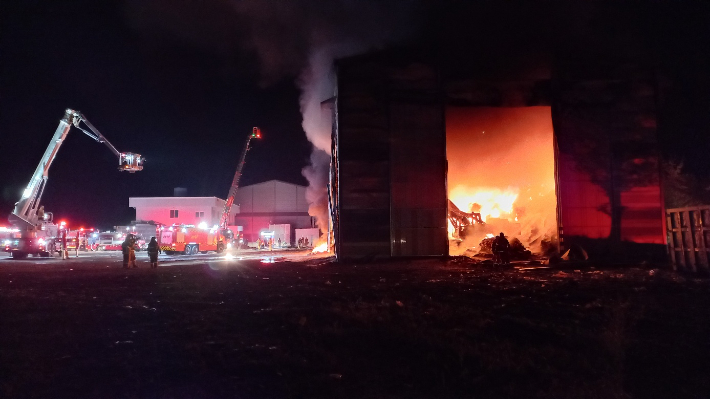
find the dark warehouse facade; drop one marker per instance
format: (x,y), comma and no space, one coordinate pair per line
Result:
(389,154)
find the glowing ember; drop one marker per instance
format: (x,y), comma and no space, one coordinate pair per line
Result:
(320,248)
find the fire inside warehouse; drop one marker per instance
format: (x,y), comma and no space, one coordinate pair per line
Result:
(500,177)
(434,158)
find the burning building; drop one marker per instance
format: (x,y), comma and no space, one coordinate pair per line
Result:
(558,156)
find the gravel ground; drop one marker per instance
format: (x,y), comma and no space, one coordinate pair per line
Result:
(289,325)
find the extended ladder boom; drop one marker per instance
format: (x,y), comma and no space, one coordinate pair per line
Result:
(25,213)
(224,220)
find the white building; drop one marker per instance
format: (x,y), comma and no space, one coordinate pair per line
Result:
(180,210)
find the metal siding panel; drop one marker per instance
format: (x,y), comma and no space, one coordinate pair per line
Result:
(607,162)
(245,199)
(418,191)
(363,151)
(285,197)
(264,200)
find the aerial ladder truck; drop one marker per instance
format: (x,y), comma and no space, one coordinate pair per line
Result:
(227,234)
(189,239)
(29,216)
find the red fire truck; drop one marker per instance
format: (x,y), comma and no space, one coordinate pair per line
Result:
(190,239)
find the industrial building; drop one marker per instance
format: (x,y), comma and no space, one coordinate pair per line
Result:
(272,202)
(408,124)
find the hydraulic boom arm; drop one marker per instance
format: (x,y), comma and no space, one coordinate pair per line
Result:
(25,213)
(224,220)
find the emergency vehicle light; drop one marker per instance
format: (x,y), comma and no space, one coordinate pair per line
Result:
(130,162)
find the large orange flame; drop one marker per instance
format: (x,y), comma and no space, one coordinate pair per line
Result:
(323,247)
(489,202)
(501,165)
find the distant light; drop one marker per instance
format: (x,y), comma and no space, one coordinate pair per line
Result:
(27,193)
(184,230)
(127,228)
(95,235)
(203,225)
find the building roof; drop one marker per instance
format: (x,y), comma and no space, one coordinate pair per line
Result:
(272,182)
(184,201)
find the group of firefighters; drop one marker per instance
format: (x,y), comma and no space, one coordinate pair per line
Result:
(129,252)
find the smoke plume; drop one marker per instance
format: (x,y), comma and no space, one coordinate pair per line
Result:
(326,31)
(290,39)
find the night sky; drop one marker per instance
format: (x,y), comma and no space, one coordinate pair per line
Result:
(187,108)
(183,83)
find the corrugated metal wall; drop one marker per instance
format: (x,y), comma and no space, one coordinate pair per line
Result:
(363,219)
(608,163)
(391,157)
(418,219)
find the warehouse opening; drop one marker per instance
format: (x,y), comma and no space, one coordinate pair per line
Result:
(501,178)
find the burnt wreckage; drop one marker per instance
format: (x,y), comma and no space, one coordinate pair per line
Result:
(460,220)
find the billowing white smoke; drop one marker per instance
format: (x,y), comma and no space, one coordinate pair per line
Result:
(317,84)
(290,38)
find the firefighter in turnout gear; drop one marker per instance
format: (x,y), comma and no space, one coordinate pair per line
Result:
(128,252)
(153,251)
(500,247)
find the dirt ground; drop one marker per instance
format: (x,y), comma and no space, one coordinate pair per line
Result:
(283,328)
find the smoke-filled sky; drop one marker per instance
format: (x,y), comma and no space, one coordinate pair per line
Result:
(183,82)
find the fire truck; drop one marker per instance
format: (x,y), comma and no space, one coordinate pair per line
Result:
(28,216)
(190,239)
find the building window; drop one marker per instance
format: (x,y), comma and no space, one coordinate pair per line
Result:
(173,213)
(199,214)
